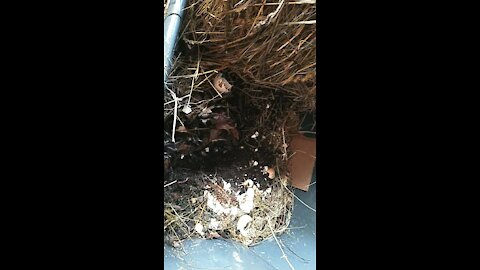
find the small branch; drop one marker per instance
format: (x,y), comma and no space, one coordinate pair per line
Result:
(285,155)
(302,22)
(174,113)
(272,15)
(306,205)
(278,243)
(169,184)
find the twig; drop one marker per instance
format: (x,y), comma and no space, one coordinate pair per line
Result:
(308,132)
(174,113)
(311,184)
(301,2)
(300,200)
(181,219)
(193,81)
(284,155)
(272,15)
(294,253)
(169,184)
(304,22)
(303,152)
(168,102)
(180,241)
(278,243)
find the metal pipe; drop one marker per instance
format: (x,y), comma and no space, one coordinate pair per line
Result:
(171,27)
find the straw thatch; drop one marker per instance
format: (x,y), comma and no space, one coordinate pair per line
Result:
(267,45)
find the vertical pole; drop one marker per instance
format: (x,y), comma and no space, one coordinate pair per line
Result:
(171,27)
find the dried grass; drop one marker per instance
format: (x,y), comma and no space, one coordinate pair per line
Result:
(268,45)
(272,213)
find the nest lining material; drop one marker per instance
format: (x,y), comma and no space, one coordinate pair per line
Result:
(243,213)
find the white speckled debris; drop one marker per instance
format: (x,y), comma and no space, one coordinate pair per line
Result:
(214,224)
(245,200)
(215,205)
(218,208)
(199,229)
(242,223)
(248,183)
(186,109)
(227,186)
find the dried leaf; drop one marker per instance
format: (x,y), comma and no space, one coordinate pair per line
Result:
(235,134)
(230,129)
(205,139)
(223,122)
(186,109)
(183,148)
(182,129)
(214,134)
(166,164)
(221,118)
(214,235)
(221,84)
(271,173)
(206,112)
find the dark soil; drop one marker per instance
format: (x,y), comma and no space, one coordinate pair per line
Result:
(233,167)
(215,141)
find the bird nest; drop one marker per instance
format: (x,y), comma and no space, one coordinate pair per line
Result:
(243,75)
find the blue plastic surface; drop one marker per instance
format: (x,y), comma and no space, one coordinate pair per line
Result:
(299,245)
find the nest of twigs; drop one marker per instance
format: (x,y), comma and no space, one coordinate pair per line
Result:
(244,73)
(250,217)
